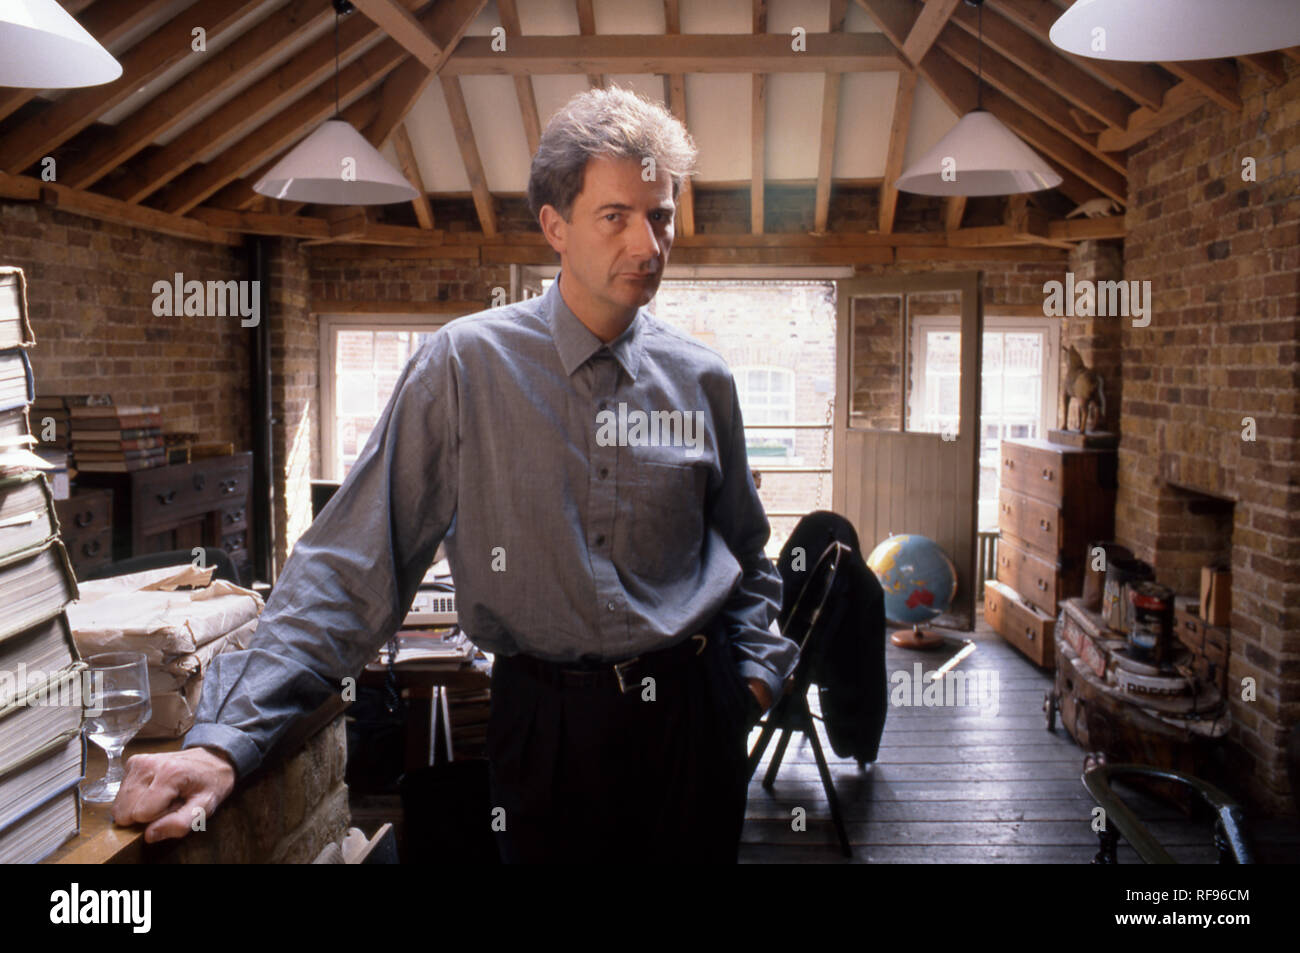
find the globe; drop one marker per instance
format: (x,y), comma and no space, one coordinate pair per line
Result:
(919,579)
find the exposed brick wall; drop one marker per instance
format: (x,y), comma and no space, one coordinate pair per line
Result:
(1223,257)
(1097,338)
(90,293)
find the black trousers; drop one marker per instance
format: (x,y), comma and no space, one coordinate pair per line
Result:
(590,774)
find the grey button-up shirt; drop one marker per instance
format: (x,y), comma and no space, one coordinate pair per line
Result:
(595,500)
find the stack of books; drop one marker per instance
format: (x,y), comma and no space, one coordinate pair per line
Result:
(117,438)
(52,416)
(42,679)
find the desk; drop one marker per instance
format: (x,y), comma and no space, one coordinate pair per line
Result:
(286,811)
(428,725)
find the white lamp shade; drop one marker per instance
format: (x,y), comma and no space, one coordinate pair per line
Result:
(978,156)
(1152,31)
(317,170)
(43,47)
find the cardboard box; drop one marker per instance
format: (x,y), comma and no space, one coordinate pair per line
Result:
(1216,595)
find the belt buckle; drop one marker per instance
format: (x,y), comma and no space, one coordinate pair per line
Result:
(620,668)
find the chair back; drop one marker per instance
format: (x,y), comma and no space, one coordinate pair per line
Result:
(810,610)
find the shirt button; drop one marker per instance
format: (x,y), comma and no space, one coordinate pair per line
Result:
(600,539)
(604,405)
(604,472)
(610,606)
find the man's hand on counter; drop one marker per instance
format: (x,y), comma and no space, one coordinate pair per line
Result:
(165,791)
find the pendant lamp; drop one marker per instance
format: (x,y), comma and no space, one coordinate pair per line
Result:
(979,155)
(336,165)
(43,47)
(1154,31)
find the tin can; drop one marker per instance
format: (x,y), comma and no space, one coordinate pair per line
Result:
(1121,574)
(1152,621)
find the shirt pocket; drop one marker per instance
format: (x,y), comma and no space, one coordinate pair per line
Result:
(662,508)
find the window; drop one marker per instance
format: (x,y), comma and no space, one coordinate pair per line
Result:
(1017,392)
(360,364)
(766,397)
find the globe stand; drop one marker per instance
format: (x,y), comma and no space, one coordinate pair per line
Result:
(918,638)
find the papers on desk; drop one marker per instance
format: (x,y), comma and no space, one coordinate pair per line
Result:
(440,648)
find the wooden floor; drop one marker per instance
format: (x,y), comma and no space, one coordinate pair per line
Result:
(952,785)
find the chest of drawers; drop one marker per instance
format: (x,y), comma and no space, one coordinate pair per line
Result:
(180,506)
(86,526)
(1054,500)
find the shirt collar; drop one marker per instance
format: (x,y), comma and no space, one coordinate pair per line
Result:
(576,343)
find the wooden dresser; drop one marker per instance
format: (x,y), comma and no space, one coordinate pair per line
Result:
(1054,500)
(180,506)
(86,526)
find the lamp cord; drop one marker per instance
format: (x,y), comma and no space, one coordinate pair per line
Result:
(979,60)
(336,64)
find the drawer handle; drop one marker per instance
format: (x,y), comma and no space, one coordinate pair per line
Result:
(1006,507)
(1009,463)
(91,548)
(84,519)
(1041,585)
(228,486)
(1044,524)
(200,480)
(1047,473)
(234,516)
(168,497)
(1029,633)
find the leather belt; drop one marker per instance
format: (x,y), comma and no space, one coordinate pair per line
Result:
(626,675)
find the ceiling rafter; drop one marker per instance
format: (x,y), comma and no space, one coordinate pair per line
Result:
(411,169)
(677,53)
(1048,67)
(1180,101)
(587,27)
(898,130)
(677,105)
(509,15)
(469,153)
(262,44)
(27,141)
(1003,74)
(403,87)
(107,21)
(1141,82)
(830,120)
(925,30)
(957,86)
(243,115)
(401,25)
(1217,79)
(285,128)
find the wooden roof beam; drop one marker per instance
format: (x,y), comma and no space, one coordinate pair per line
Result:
(509,14)
(898,130)
(929,24)
(1216,79)
(587,27)
(469,153)
(400,24)
(26,142)
(262,44)
(1183,99)
(677,105)
(1140,82)
(830,120)
(757,128)
(676,53)
(1048,67)
(411,169)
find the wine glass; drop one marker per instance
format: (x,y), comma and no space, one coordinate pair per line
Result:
(117,707)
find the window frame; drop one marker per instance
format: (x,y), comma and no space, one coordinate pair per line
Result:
(330,326)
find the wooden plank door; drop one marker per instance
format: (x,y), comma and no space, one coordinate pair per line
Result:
(907,415)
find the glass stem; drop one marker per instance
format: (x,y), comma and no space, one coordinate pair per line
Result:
(115,772)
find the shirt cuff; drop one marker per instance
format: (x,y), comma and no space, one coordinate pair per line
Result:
(240,748)
(774,682)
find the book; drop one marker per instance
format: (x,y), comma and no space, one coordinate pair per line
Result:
(17,387)
(15,428)
(46,710)
(36,835)
(15,329)
(55,766)
(153,458)
(47,646)
(27,514)
(84,425)
(34,584)
(67,401)
(125,443)
(93,411)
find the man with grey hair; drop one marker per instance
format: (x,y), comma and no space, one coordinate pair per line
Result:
(621,584)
